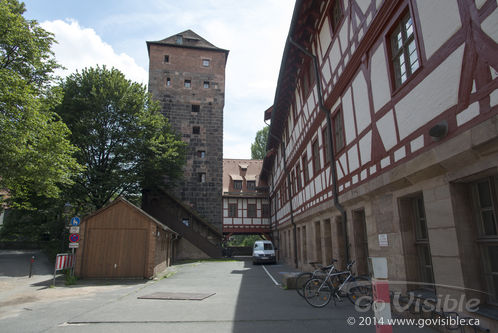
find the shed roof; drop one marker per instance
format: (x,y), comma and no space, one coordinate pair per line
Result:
(139,210)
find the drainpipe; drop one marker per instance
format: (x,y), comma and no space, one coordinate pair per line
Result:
(322,108)
(294,227)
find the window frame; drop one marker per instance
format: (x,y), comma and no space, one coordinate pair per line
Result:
(206,85)
(306,172)
(235,182)
(338,113)
(484,240)
(315,152)
(233,213)
(253,210)
(196,130)
(253,185)
(187,84)
(202,177)
(205,61)
(166,59)
(196,108)
(396,23)
(334,25)
(326,142)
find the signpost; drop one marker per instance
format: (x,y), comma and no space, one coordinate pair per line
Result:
(74,236)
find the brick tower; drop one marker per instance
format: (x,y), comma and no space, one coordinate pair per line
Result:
(187,77)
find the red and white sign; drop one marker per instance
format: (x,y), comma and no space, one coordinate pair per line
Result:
(64,261)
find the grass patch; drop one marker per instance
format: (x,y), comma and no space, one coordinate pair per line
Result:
(70,279)
(167,275)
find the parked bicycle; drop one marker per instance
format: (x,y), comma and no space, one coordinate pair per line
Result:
(319,271)
(319,291)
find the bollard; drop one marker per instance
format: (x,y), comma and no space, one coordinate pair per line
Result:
(31,265)
(381,301)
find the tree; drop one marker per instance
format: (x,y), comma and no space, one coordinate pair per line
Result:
(124,142)
(258,148)
(35,153)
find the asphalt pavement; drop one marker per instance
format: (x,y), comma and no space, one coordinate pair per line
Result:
(246,298)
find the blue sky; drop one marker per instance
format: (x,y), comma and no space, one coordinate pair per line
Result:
(114,33)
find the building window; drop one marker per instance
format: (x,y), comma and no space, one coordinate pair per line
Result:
(186,222)
(202,177)
(298,177)
(232,210)
(265,210)
(168,82)
(316,157)
(251,210)
(306,174)
(237,184)
(326,144)
(196,130)
(187,84)
(201,154)
(206,85)
(179,39)
(338,131)
(251,185)
(486,203)
(205,62)
(196,108)
(166,58)
(336,15)
(404,55)
(422,243)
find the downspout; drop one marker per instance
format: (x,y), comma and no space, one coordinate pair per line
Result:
(322,108)
(294,227)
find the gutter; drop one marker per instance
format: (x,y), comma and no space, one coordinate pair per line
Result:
(322,108)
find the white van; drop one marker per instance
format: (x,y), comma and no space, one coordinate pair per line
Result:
(263,251)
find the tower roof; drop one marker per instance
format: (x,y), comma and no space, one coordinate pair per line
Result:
(187,38)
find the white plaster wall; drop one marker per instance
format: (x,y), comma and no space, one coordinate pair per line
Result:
(335,55)
(439,20)
(364,4)
(490,25)
(480,3)
(325,37)
(468,114)
(366,148)
(387,131)
(326,72)
(380,82)
(347,107)
(344,164)
(343,34)
(353,158)
(435,94)
(361,102)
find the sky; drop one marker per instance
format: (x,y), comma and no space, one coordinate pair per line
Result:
(114,33)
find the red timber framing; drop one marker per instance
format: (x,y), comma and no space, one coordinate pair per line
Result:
(367,30)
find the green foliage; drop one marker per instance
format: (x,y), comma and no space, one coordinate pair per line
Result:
(124,142)
(258,148)
(35,152)
(243,240)
(70,279)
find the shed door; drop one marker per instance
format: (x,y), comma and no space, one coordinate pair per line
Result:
(115,253)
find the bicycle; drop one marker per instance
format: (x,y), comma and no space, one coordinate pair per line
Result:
(319,291)
(304,277)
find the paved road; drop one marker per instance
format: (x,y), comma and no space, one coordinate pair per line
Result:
(246,300)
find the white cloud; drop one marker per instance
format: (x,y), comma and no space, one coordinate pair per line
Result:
(79,47)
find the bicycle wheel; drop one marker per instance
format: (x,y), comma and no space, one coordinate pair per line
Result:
(360,292)
(317,292)
(301,280)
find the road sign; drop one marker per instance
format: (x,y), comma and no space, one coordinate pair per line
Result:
(75,221)
(73,238)
(74,245)
(74,230)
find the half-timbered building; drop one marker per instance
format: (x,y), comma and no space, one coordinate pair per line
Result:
(384,142)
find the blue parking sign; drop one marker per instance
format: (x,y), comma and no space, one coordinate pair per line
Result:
(75,221)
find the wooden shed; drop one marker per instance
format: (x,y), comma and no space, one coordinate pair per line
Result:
(121,240)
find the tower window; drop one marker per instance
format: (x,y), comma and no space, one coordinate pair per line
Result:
(196,130)
(166,58)
(205,62)
(168,82)
(201,154)
(196,108)
(206,84)
(202,177)
(187,84)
